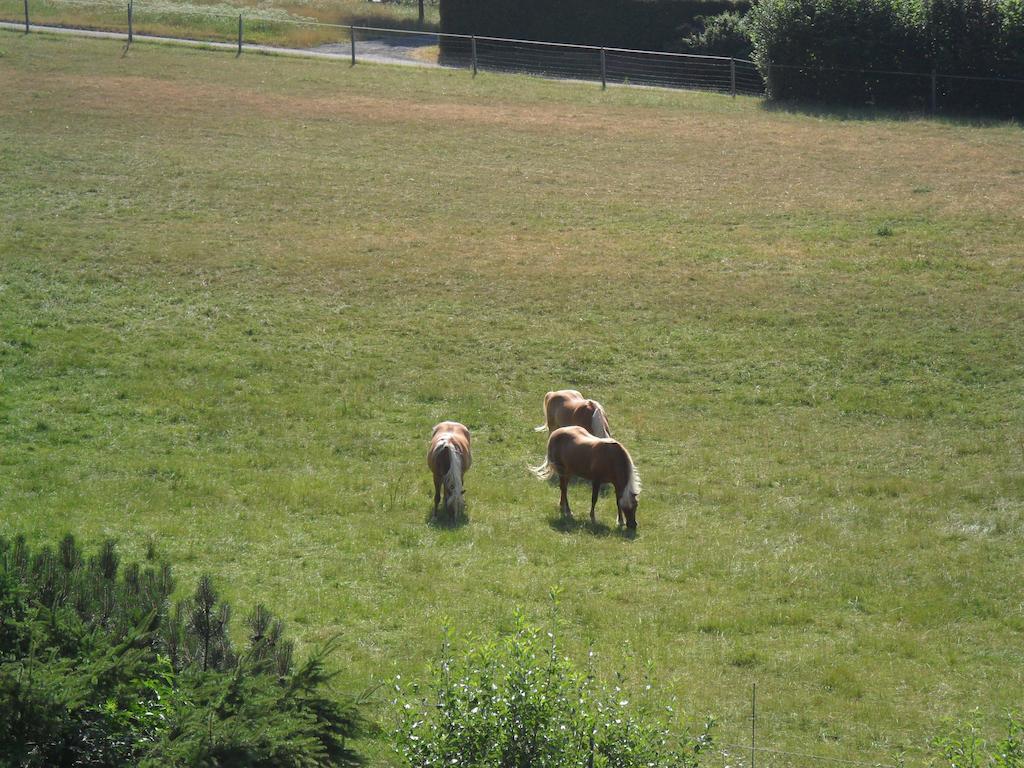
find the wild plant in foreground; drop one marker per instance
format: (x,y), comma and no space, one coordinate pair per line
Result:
(518,702)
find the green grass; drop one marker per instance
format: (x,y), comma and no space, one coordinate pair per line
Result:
(235,294)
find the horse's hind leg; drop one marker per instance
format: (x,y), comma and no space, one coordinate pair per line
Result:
(563,502)
(437,493)
(593,500)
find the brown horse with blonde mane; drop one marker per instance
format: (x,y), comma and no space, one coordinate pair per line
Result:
(449,457)
(574,452)
(567,407)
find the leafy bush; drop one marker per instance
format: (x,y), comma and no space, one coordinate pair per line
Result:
(964,746)
(973,38)
(95,670)
(724,34)
(811,49)
(519,702)
(817,50)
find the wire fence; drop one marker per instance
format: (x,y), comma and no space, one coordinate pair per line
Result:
(273,29)
(745,756)
(256,29)
(932,91)
(751,735)
(601,64)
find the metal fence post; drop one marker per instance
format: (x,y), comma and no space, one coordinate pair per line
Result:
(352,34)
(26,17)
(934,99)
(239,34)
(130,36)
(472,41)
(753,723)
(421,14)
(732,77)
(604,71)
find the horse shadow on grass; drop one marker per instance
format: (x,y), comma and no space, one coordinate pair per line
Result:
(443,520)
(870,113)
(572,524)
(598,530)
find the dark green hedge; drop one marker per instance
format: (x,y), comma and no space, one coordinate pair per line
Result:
(656,25)
(724,34)
(98,670)
(812,50)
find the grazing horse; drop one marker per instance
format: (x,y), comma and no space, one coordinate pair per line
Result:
(567,407)
(448,458)
(574,452)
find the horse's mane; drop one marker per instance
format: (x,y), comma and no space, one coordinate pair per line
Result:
(633,484)
(599,421)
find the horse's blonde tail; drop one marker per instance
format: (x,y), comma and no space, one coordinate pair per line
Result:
(455,502)
(599,422)
(545,471)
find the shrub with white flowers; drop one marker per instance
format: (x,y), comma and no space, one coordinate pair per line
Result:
(518,702)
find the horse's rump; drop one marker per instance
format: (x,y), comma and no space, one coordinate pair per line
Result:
(567,407)
(575,451)
(449,457)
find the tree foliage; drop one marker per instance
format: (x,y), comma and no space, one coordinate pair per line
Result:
(96,669)
(883,52)
(724,34)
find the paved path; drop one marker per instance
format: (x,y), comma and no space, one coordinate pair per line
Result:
(392,49)
(384,50)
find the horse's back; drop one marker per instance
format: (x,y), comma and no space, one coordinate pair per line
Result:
(562,395)
(571,441)
(560,407)
(561,401)
(455,435)
(453,427)
(568,407)
(578,451)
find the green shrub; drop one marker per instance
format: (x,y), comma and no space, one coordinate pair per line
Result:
(966,37)
(724,34)
(78,684)
(96,670)
(812,50)
(818,50)
(964,747)
(250,716)
(519,702)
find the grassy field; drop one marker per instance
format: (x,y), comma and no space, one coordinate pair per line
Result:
(235,294)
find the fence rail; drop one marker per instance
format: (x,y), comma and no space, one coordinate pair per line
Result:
(601,64)
(260,29)
(604,65)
